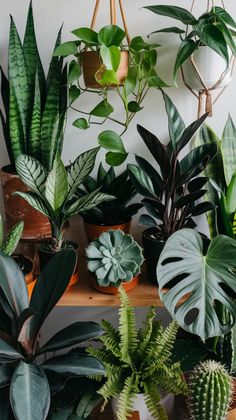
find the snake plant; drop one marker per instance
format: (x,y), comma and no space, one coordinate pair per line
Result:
(52,193)
(34,108)
(138,361)
(10,242)
(114,257)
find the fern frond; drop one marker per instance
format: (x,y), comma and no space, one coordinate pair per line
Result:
(111,338)
(152,399)
(171,379)
(113,385)
(124,407)
(144,334)
(105,356)
(161,346)
(127,328)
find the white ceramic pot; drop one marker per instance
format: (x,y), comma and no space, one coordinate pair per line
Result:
(211,67)
(139,405)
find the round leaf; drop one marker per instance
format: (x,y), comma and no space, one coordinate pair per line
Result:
(81,123)
(115,159)
(110,57)
(133,106)
(111,141)
(111,35)
(102,110)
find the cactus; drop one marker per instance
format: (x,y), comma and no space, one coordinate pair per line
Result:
(210,392)
(9,244)
(114,257)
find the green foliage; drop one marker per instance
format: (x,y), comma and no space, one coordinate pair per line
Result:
(210,392)
(9,244)
(138,361)
(114,258)
(54,192)
(171,190)
(115,211)
(34,109)
(214,29)
(25,378)
(201,277)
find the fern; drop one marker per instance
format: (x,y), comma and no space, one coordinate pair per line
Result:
(152,399)
(144,334)
(127,328)
(113,385)
(111,338)
(124,409)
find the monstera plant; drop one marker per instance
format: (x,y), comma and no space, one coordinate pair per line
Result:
(195,278)
(26,379)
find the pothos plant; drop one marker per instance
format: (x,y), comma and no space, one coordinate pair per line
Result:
(53,193)
(214,28)
(141,76)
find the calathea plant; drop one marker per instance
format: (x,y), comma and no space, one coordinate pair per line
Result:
(138,361)
(114,258)
(53,193)
(26,380)
(34,108)
(9,243)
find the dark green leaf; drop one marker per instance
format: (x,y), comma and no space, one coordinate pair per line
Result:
(141,181)
(74,364)
(134,106)
(7,353)
(197,183)
(202,208)
(110,57)
(74,93)
(65,49)
(187,48)
(111,141)
(102,110)
(86,35)
(175,12)
(189,198)
(6,371)
(224,16)
(154,207)
(172,30)
(81,123)
(156,81)
(152,173)
(5,406)
(74,72)
(213,38)
(175,122)
(189,353)
(115,159)
(147,220)
(189,132)
(111,35)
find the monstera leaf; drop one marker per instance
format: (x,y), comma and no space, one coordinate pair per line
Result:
(205,281)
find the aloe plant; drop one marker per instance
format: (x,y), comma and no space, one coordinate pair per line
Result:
(114,257)
(25,376)
(10,242)
(34,108)
(52,194)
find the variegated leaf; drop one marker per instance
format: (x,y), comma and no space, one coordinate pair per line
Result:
(17,137)
(228,149)
(88,202)
(80,169)
(35,128)
(56,184)
(32,173)
(35,201)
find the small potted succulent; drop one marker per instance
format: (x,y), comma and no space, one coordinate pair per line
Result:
(138,364)
(114,214)
(172,188)
(206,45)
(114,258)
(53,195)
(33,115)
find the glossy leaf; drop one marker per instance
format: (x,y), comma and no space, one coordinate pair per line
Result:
(32,173)
(189,198)
(74,364)
(186,49)
(231,195)
(89,36)
(56,186)
(190,131)
(147,220)
(7,353)
(110,57)
(115,159)
(138,44)
(81,123)
(111,35)
(224,15)
(29,392)
(102,110)
(134,106)
(111,141)
(35,201)
(175,122)
(74,72)
(213,38)
(171,30)
(74,94)
(65,49)
(228,149)
(175,12)
(141,181)
(6,371)
(204,279)
(89,201)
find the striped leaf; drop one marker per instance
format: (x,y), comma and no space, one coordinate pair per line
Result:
(80,169)
(63,104)
(87,202)
(35,201)
(16,131)
(10,243)
(32,173)
(35,128)
(228,149)
(56,184)
(1,231)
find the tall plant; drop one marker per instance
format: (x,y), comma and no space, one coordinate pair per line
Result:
(34,108)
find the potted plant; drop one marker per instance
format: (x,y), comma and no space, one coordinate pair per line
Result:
(33,115)
(115,258)
(138,365)
(21,364)
(171,196)
(114,214)
(53,194)
(206,45)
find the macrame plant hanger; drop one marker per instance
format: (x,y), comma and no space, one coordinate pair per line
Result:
(204,95)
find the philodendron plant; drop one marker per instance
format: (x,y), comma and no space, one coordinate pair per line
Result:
(34,108)
(138,361)
(214,29)
(170,197)
(114,258)
(9,243)
(53,193)
(27,381)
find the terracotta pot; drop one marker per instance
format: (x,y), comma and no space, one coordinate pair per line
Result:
(112,290)
(36,226)
(94,231)
(91,63)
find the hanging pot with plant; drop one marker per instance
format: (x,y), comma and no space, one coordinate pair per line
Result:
(33,117)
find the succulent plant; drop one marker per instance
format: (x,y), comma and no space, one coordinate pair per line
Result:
(114,258)
(210,392)
(10,242)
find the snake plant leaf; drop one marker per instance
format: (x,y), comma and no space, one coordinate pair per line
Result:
(10,243)
(231,195)
(228,149)
(63,104)
(13,285)
(175,122)
(35,126)
(29,392)
(56,186)
(32,173)
(35,201)
(80,169)
(72,335)
(8,354)
(200,279)
(1,231)
(74,364)
(87,202)
(16,131)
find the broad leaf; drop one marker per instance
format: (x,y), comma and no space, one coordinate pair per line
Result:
(152,173)
(175,122)
(56,186)
(29,392)
(32,173)
(35,201)
(6,371)
(7,353)
(115,159)
(74,94)
(74,364)
(111,35)
(110,140)
(228,149)
(81,123)
(213,38)
(175,12)
(65,49)
(200,280)
(102,110)
(110,57)
(224,16)
(89,36)
(74,72)
(147,220)
(187,48)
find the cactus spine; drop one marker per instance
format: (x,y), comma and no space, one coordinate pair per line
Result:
(210,392)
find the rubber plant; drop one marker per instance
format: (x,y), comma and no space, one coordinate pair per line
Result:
(112,212)
(33,111)
(28,380)
(214,29)
(9,243)
(53,193)
(138,361)
(141,76)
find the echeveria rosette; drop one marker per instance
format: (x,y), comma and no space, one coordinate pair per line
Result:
(114,258)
